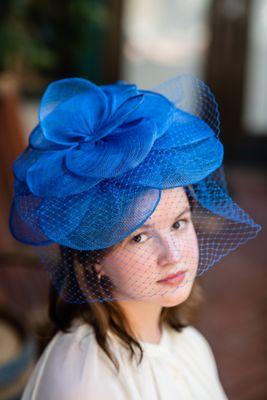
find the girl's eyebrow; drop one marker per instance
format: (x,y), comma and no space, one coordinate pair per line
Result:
(183,212)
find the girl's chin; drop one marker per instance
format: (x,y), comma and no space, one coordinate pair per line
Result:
(167,299)
(172,301)
(175,297)
(168,296)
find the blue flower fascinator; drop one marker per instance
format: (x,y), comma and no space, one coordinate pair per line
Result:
(101,156)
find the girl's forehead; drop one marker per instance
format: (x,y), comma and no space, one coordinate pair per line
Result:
(172,203)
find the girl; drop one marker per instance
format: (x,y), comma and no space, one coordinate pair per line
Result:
(124,191)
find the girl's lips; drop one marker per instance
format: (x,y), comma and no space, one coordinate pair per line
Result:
(173,279)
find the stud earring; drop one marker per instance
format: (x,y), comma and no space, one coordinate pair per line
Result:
(99,275)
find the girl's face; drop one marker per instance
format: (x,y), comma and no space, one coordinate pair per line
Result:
(164,245)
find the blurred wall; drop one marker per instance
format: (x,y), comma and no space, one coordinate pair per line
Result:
(163,38)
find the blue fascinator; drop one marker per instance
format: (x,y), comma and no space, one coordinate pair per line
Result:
(99,160)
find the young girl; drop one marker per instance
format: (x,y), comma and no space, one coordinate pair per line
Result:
(123,190)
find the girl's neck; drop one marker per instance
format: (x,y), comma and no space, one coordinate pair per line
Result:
(144,320)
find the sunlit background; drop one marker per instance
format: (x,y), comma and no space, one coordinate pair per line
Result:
(224,42)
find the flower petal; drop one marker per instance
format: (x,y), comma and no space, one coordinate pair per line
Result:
(71,109)
(118,94)
(59,217)
(38,141)
(55,181)
(158,108)
(187,129)
(178,167)
(114,155)
(119,116)
(24,220)
(23,163)
(116,205)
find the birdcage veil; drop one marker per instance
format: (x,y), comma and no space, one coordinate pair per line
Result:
(105,160)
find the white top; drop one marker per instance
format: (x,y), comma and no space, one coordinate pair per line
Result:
(73,366)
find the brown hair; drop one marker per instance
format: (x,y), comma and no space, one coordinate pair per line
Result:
(106,315)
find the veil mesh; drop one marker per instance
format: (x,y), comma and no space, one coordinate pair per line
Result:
(103,162)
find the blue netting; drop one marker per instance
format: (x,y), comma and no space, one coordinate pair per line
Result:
(99,161)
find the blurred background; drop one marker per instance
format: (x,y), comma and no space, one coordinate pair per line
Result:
(224,42)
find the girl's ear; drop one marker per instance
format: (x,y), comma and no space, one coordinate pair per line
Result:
(98,268)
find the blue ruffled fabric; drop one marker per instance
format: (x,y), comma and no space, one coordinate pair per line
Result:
(98,150)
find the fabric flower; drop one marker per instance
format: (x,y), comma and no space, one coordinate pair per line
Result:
(97,151)
(88,133)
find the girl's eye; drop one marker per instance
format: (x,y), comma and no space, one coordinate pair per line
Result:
(178,224)
(138,238)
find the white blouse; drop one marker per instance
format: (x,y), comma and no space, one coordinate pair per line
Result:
(74,367)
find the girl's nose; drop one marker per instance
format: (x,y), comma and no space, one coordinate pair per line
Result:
(170,250)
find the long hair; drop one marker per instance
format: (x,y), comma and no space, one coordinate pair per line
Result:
(107,315)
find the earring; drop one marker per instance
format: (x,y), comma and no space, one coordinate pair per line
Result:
(99,276)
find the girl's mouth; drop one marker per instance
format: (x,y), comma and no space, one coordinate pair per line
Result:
(173,279)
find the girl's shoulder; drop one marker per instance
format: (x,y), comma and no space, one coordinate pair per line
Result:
(195,337)
(189,335)
(69,367)
(195,345)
